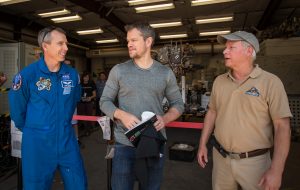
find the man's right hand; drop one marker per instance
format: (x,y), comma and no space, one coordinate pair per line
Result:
(202,156)
(128,120)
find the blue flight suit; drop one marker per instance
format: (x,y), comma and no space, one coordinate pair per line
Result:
(42,104)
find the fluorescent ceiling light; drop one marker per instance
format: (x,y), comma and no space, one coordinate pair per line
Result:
(107,41)
(8,2)
(173,36)
(78,46)
(66,19)
(207,2)
(140,2)
(214,33)
(212,20)
(155,7)
(54,13)
(93,31)
(165,24)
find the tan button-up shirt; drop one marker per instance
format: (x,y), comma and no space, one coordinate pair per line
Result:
(245,111)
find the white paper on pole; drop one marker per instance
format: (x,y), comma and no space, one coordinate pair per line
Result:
(16,140)
(104,122)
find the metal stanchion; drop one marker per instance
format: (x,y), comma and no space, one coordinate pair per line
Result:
(16,141)
(109,161)
(20,180)
(109,168)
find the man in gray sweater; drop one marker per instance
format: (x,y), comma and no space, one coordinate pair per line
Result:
(138,85)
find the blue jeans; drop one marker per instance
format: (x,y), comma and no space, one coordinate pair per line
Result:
(123,174)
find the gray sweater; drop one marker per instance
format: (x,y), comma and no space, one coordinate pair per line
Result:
(136,90)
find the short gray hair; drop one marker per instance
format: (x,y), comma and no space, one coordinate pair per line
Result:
(146,30)
(245,45)
(45,34)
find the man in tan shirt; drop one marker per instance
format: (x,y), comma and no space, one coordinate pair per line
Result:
(247,105)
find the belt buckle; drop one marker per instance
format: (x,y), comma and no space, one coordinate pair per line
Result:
(235,156)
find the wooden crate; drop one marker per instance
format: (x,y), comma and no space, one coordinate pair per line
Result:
(280,46)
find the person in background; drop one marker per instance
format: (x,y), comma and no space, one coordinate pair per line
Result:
(86,104)
(3,78)
(138,85)
(100,84)
(249,114)
(42,101)
(74,122)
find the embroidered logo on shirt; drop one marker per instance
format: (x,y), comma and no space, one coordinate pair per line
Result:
(17,82)
(43,84)
(66,76)
(66,85)
(253,92)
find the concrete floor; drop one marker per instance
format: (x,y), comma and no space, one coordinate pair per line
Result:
(178,175)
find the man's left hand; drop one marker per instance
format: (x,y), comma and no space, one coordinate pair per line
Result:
(271,180)
(159,124)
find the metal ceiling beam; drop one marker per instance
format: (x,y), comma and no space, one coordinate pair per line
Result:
(22,23)
(101,10)
(268,13)
(18,23)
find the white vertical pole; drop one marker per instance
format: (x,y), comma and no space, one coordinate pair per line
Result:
(183,88)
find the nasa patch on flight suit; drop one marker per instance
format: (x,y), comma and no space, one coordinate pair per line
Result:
(17,82)
(66,84)
(43,84)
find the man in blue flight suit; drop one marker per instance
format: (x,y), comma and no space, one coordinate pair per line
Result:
(42,101)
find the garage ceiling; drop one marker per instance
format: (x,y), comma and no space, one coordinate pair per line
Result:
(112,15)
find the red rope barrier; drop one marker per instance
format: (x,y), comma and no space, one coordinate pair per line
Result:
(174,124)
(85,117)
(189,125)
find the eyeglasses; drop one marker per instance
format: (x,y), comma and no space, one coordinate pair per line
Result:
(47,31)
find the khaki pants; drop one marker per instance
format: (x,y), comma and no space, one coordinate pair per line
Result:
(247,172)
